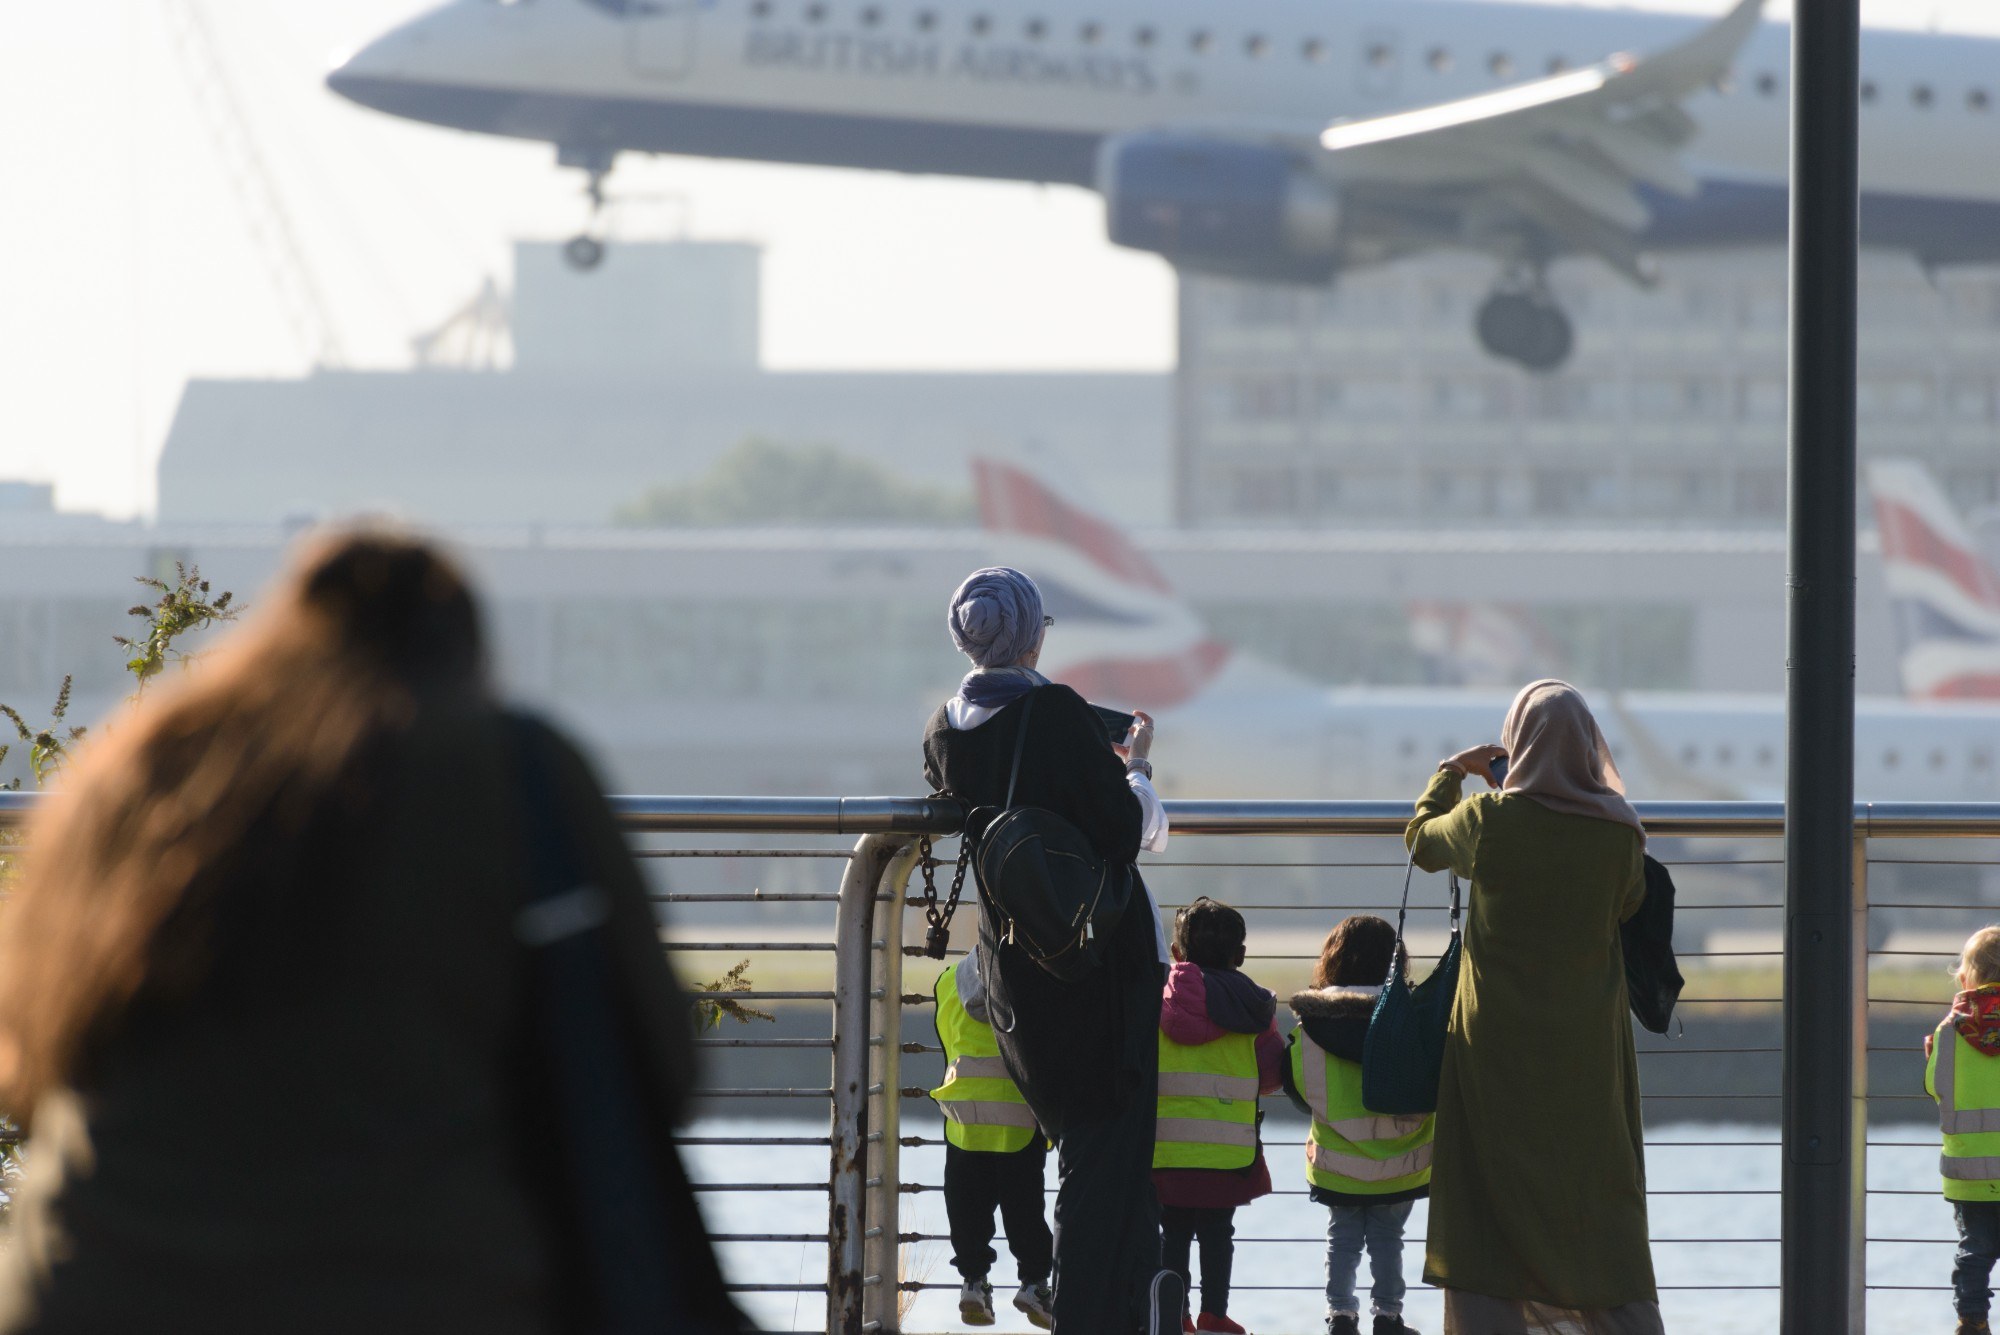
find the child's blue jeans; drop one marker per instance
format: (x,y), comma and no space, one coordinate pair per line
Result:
(1379,1228)
(1978,1247)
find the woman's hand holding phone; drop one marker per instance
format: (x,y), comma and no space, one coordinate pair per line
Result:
(1482,760)
(1138,743)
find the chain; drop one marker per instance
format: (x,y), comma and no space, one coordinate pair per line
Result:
(937,934)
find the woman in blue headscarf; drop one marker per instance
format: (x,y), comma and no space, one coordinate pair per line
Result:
(1084,1053)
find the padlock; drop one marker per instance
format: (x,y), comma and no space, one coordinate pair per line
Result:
(936,939)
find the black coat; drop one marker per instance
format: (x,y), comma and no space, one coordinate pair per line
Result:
(1079,1049)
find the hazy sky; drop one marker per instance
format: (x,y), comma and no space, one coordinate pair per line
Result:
(127,266)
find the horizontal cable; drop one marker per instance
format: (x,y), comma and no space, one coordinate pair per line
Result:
(768,1237)
(763,1093)
(824,1044)
(738,898)
(815,1142)
(758,1186)
(764,947)
(841,854)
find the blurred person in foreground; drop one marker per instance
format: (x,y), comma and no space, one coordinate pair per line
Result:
(264,1009)
(1538,1183)
(1084,1053)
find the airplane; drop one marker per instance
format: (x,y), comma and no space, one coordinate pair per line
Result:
(1229,724)
(1265,139)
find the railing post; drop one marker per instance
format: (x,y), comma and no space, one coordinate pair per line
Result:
(847,1280)
(1823,1178)
(1857,1233)
(881,1214)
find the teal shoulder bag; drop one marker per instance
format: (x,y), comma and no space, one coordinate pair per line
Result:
(1404,1052)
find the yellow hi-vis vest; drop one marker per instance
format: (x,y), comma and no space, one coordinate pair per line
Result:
(982,1106)
(1350,1149)
(1966,1084)
(1208,1104)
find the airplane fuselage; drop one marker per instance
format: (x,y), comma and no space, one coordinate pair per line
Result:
(1021,91)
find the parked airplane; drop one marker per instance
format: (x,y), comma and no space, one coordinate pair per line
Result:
(1264,139)
(1230,724)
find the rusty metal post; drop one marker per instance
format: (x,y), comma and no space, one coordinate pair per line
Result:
(847,1279)
(883,1198)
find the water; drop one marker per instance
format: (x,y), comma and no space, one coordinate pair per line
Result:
(1700,1241)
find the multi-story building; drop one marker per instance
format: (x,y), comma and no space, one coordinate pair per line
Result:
(1370,403)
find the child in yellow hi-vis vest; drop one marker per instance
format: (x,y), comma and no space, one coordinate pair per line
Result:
(1962,1072)
(1368,1169)
(993,1156)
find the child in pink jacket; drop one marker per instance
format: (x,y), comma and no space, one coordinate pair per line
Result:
(1209,998)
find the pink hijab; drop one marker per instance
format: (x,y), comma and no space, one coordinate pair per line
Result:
(1557,755)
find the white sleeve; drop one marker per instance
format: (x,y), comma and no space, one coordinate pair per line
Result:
(1152,814)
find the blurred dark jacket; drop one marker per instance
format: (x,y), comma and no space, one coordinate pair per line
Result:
(345,1128)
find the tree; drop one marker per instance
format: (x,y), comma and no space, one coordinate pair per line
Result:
(765,482)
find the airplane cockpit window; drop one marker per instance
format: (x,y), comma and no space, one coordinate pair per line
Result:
(1557,64)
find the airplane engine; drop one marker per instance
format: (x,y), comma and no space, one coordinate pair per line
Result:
(1244,210)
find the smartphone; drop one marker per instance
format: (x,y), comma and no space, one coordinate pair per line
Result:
(1499,771)
(1116,722)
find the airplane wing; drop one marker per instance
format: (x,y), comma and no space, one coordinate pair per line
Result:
(1561,159)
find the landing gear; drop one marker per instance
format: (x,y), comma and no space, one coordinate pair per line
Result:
(585,251)
(1523,324)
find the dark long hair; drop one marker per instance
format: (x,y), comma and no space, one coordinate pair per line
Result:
(1357,953)
(220,793)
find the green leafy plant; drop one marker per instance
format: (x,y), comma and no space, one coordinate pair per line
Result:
(715,1001)
(48,747)
(183,607)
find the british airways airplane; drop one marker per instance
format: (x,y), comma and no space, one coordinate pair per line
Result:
(1267,139)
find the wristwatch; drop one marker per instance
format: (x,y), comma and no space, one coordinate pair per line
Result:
(1139,765)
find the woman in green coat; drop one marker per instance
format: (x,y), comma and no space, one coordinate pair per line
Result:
(1538,1188)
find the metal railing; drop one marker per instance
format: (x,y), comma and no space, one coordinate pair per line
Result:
(861,1044)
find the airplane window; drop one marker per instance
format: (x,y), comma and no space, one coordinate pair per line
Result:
(1890,760)
(981,25)
(814,13)
(1764,757)
(1143,37)
(1501,64)
(1313,49)
(1381,55)
(1922,95)
(1255,46)
(1979,99)
(1982,760)
(1724,756)
(926,20)
(1868,90)
(1090,32)
(1690,754)
(1409,747)
(870,17)
(1767,83)
(1199,42)
(1037,30)
(1440,59)
(1937,760)
(1557,64)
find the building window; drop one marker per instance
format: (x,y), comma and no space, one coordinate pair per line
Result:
(1313,49)
(1501,64)
(1439,60)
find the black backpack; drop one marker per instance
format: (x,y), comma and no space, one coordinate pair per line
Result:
(1053,896)
(1652,977)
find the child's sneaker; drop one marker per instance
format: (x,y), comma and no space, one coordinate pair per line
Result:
(1343,1323)
(1393,1325)
(975,1303)
(1187,1324)
(1211,1321)
(1038,1301)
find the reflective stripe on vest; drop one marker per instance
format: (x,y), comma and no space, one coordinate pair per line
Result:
(1952,1119)
(1207,1115)
(1350,1149)
(983,1108)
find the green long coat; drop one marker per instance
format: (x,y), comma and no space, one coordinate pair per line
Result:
(1538,1188)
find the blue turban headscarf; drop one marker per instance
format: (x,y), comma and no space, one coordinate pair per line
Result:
(996,617)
